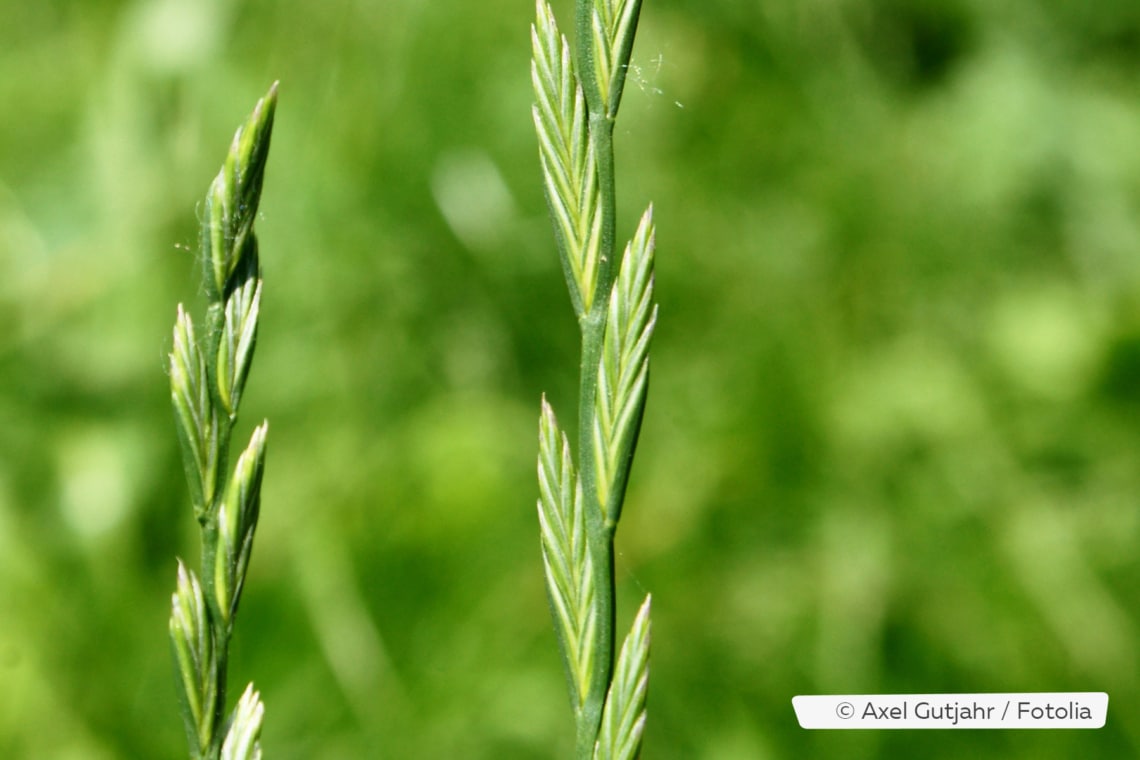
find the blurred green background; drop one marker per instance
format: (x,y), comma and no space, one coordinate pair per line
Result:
(893,435)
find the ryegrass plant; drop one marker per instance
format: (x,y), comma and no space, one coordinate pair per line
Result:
(207,377)
(578,94)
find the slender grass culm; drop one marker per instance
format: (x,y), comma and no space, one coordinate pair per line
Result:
(577,101)
(207,376)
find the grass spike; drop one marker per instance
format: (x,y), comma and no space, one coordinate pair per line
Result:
(576,101)
(207,377)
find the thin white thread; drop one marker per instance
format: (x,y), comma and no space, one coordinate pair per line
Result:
(645,79)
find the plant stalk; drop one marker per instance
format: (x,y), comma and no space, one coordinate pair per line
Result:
(593,327)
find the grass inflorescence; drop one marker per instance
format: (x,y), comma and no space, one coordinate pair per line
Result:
(207,377)
(578,92)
